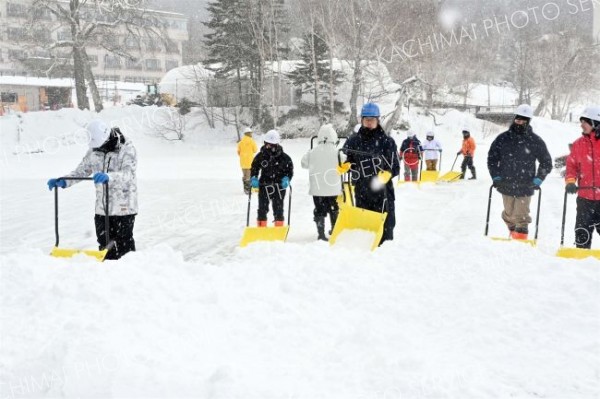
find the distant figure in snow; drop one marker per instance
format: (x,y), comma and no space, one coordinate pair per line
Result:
(410,153)
(246,149)
(432,150)
(111,159)
(468,152)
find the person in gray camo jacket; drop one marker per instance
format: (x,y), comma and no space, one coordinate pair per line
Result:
(111,159)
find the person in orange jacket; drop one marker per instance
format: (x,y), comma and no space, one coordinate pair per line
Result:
(246,149)
(468,152)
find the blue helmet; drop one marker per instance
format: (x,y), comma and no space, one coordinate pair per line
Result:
(370,110)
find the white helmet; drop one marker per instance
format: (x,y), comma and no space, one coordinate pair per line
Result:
(98,132)
(272,137)
(327,134)
(357,128)
(247,130)
(592,113)
(524,110)
(410,134)
(430,134)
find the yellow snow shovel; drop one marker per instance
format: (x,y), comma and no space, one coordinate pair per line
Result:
(70,252)
(533,242)
(574,253)
(275,233)
(451,176)
(431,176)
(353,218)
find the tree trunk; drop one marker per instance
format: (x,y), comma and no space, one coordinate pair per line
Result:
(315,76)
(92,82)
(79,76)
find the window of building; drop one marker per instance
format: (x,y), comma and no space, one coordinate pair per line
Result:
(93,59)
(171,64)
(16,33)
(64,35)
(16,10)
(112,62)
(41,35)
(133,64)
(152,64)
(8,97)
(151,45)
(131,42)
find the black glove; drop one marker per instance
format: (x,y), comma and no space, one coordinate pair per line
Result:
(571,188)
(458,153)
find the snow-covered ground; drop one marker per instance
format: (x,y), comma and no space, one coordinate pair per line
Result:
(440,312)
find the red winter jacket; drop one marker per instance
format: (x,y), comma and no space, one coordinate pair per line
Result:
(583,166)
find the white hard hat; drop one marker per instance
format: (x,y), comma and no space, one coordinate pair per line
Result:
(247,130)
(98,132)
(430,134)
(357,128)
(592,113)
(327,134)
(524,110)
(272,137)
(410,134)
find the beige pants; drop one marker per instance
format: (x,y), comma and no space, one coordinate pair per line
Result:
(246,180)
(516,211)
(431,164)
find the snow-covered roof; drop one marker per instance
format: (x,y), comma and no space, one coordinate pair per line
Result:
(35,81)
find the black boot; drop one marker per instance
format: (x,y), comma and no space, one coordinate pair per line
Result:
(473,173)
(332,218)
(320,221)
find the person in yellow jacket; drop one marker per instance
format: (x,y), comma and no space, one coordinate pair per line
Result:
(246,149)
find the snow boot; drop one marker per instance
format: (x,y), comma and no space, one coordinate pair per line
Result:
(320,221)
(332,218)
(474,177)
(261,223)
(279,223)
(520,233)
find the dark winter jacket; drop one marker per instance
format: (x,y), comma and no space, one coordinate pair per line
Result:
(513,157)
(410,151)
(272,164)
(370,152)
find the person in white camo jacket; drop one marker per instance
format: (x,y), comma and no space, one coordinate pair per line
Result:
(110,159)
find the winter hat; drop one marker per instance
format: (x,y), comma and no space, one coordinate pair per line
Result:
(272,137)
(98,132)
(327,134)
(430,134)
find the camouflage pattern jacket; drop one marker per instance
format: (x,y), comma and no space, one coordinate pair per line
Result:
(120,165)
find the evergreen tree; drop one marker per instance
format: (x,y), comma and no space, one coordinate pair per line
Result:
(313,72)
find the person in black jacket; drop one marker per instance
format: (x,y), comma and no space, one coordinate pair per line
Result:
(373,159)
(410,151)
(512,164)
(276,170)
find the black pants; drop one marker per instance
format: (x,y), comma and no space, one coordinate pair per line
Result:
(120,231)
(378,201)
(270,193)
(587,220)
(324,206)
(467,163)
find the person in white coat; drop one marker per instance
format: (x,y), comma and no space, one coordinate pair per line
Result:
(432,149)
(325,184)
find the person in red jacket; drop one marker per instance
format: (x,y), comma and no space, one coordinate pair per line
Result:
(583,177)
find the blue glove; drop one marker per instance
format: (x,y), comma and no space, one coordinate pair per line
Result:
(537,181)
(100,178)
(285,182)
(496,180)
(56,183)
(254,182)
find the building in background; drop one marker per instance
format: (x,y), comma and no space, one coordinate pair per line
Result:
(597,23)
(21,54)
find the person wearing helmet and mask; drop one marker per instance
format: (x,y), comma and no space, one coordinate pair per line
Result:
(410,153)
(468,152)
(373,160)
(271,170)
(583,177)
(246,149)
(512,164)
(111,159)
(432,149)
(325,185)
